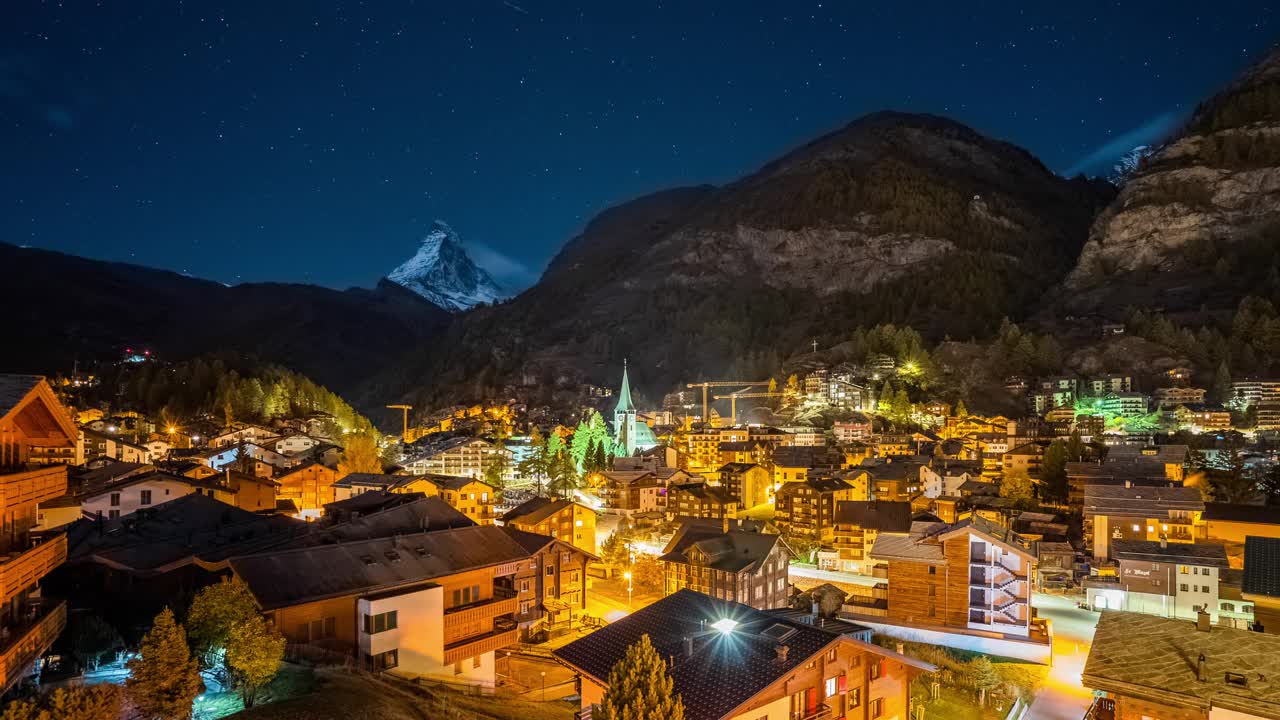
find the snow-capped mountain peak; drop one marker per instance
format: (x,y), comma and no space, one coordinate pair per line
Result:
(444,274)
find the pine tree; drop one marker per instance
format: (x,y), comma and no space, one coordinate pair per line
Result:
(163,678)
(244,458)
(961,410)
(1221,389)
(1053,471)
(984,677)
(640,687)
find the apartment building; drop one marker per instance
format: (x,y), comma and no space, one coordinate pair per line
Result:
(808,507)
(857,525)
(1161,578)
(699,500)
(750,483)
(1135,512)
(973,575)
(30,417)
(564,520)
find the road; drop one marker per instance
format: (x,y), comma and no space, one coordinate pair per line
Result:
(1062,697)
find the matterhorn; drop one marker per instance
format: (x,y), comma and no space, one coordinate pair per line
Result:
(442,273)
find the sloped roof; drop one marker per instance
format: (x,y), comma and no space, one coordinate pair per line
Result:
(892,517)
(735,551)
(1139,501)
(14,389)
(421,514)
(165,536)
(1210,554)
(535,510)
(290,577)
(725,670)
(1155,658)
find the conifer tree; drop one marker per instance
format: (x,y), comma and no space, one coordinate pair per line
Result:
(163,678)
(640,688)
(961,411)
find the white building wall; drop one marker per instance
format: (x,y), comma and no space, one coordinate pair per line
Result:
(162,491)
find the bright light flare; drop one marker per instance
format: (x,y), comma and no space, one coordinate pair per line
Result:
(725,625)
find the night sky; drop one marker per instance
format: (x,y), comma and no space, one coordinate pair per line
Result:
(315,141)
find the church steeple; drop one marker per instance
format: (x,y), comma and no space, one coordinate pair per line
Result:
(624,394)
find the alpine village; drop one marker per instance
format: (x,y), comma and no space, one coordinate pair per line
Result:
(902,426)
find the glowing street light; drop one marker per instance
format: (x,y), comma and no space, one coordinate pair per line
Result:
(627,576)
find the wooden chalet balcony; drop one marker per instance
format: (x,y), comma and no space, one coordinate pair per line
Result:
(505,632)
(20,570)
(456,620)
(27,642)
(25,488)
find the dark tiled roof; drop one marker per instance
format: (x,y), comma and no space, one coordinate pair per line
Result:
(371,501)
(535,510)
(1139,501)
(703,491)
(423,514)
(883,516)
(176,533)
(1210,554)
(1155,658)
(735,551)
(805,456)
(1138,468)
(732,468)
(1259,514)
(368,480)
(1261,566)
(725,669)
(290,577)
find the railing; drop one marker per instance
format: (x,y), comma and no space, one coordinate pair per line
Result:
(21,570)
(503,602)
(26,643)
(822,713)
(502,635)
(1101,709)
(32,486)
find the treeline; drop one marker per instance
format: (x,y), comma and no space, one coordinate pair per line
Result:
(1258,103)
(1249,344)
(230,387)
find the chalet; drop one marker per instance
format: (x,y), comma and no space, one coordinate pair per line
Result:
(30,417)
(731,661)
(106,445)
(699,500)
(473,498)
(458,456)
(893,479)
(798,463)
(1143,666)
(309,486)
(240,432)
(943,477)
(552,586)
(564,520)
(743,566)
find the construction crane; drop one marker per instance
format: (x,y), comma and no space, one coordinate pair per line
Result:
(733,400)
(719,383)
(404,435)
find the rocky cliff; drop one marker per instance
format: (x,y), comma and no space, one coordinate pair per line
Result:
(1198,219)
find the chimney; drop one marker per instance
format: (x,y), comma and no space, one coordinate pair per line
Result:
(688,646)
(1203,623)
(782,651)
(1128,484)
(1202,669)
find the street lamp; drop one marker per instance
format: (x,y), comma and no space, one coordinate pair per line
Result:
(544,685)
(627,576)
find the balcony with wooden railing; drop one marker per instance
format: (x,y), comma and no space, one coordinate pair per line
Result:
(457,620)
(28,487)
(20,570)
(505,632)
(24,644)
